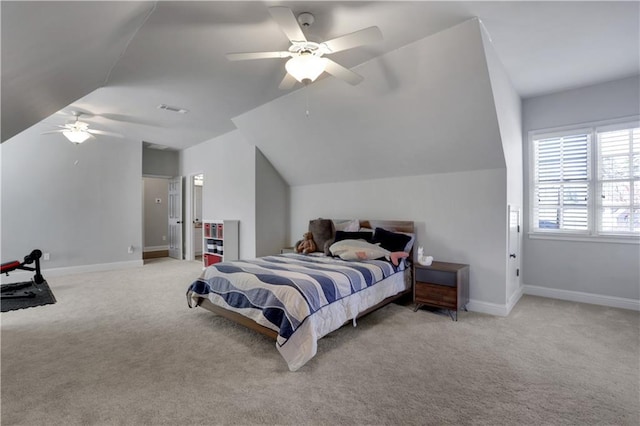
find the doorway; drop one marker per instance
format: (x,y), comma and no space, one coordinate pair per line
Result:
(155,197)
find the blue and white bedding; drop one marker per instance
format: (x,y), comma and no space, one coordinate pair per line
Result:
(300,297)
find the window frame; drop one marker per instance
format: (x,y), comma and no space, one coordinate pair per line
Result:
(592,233)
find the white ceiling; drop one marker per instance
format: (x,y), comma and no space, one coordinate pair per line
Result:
(129,57)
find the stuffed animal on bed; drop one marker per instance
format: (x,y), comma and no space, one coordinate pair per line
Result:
(307,245)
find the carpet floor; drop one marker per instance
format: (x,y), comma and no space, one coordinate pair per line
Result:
(122,347)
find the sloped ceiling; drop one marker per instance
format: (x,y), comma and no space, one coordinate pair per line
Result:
(424,108)
(178,58)
(53,54)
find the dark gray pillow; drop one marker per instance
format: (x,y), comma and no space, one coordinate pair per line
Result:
(344,235)
(391,241)
(322,230)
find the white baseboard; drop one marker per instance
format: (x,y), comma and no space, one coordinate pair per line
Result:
(19,276)
(487,308)
(155,248)
(515,297)
(578,296)
(495,308)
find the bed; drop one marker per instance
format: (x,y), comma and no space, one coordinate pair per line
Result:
(297,299)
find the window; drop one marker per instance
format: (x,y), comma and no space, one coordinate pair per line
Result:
(619,180)
(586,181)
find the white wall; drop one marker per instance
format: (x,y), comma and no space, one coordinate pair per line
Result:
(554,268)
(508,107)
(272,208)
(459,217)
(157,162)
(80,203)
(228,165)
(240,183)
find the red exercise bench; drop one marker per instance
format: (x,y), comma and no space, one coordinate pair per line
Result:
(9,290)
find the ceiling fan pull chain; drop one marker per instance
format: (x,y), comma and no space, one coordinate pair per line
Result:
(306,95)
(75,163)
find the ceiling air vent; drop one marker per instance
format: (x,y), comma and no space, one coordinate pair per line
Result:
(173,108)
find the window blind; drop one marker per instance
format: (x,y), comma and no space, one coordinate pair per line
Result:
(619,180)
(561,178)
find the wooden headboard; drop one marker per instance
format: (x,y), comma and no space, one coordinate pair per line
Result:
(389,225)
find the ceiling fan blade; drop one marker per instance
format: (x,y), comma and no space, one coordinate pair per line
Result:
(355,39)
(52,131)
(287,82)
(288,23)
(104,133)
(257,55)
(74,112)
(342,73)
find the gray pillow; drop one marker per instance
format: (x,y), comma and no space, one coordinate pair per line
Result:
(327,246)
(322,231)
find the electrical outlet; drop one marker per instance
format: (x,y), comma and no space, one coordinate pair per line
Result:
(164,238)
(130,249)
(46,256)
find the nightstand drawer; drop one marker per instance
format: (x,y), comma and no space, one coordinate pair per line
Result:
(447,278)
(436,294)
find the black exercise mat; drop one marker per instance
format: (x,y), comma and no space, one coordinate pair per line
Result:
(36,295)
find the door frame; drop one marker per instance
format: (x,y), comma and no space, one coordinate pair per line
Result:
(189,215)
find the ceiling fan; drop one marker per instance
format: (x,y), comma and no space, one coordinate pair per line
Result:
(307,57)
(78,131)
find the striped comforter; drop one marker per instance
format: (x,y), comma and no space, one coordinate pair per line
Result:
(300,297)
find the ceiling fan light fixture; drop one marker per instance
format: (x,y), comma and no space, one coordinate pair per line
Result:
(306,66)
(76,136)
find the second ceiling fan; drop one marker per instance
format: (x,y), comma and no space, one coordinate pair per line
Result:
(307,59)
(78,131)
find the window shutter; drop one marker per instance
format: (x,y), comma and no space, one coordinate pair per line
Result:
(562,182)
(618,180)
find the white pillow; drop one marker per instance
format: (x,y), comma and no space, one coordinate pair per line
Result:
(347,225)
(347,249)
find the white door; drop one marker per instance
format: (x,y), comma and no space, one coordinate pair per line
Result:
(514,248)
(175,217)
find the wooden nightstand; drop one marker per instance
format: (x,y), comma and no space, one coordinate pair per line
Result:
(443,285)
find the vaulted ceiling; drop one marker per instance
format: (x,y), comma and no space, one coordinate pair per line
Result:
(425,108)
(117,61)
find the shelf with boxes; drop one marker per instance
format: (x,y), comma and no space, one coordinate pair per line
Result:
(219,241)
